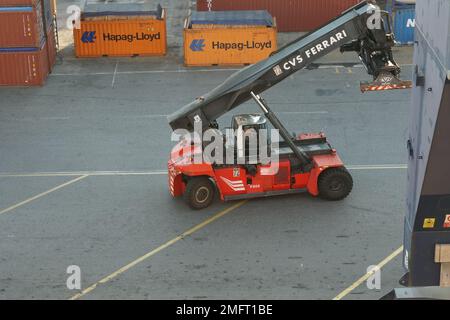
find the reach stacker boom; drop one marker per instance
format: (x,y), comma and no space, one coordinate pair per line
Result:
(305,162)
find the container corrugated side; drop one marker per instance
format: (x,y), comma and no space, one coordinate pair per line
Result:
(21,26)
(51,47)
(439,24)
(48,11)
(18,3)
(22,68)
(120,38)
(227,45)
(291,15)
(49,6)
(404,25)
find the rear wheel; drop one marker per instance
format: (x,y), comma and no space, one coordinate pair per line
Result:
(335,184)
(199,193)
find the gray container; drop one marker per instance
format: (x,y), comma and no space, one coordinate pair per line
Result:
(428,196)
(433,20)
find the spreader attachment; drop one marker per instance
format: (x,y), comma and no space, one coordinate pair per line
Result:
(385,81)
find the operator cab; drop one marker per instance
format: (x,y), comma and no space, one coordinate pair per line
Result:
(249,121)
(247,134)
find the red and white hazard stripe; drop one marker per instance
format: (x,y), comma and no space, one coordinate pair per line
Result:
(235,185)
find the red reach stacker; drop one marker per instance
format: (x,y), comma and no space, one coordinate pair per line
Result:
(306,162)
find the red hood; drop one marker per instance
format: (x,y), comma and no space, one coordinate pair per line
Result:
(184,152)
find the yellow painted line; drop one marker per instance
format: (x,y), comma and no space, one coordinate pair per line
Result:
(350,70)
(43,194)
(364,278)
(157,250)
(337,70)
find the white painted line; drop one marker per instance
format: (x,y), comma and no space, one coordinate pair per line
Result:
(378,167)
(80,173)
(142,72)
(356,65)
(115,73)
(37,119)
(150,116)
(304,112)
(190,71)
(364,278)
(81,74)
(160,172)
(178,71)
(55,118)
(147,116)
(42,194)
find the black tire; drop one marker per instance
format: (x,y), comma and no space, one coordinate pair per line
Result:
(199,193)
(335,184)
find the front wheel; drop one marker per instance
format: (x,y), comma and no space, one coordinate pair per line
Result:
(335,184)
(199,193)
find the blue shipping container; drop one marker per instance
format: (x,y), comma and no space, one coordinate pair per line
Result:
(392,5)
(404,25)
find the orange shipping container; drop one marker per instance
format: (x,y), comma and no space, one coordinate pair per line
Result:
(227,44)
(119,37)
(21,26)
(50,4)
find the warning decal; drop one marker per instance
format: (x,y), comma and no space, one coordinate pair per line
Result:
(429,223)
(447,221)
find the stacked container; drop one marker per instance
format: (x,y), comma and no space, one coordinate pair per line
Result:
(291,15)
(404,20)
(120,29)
(228,38)
(27,42)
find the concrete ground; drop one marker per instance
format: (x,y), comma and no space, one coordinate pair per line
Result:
(82,182)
